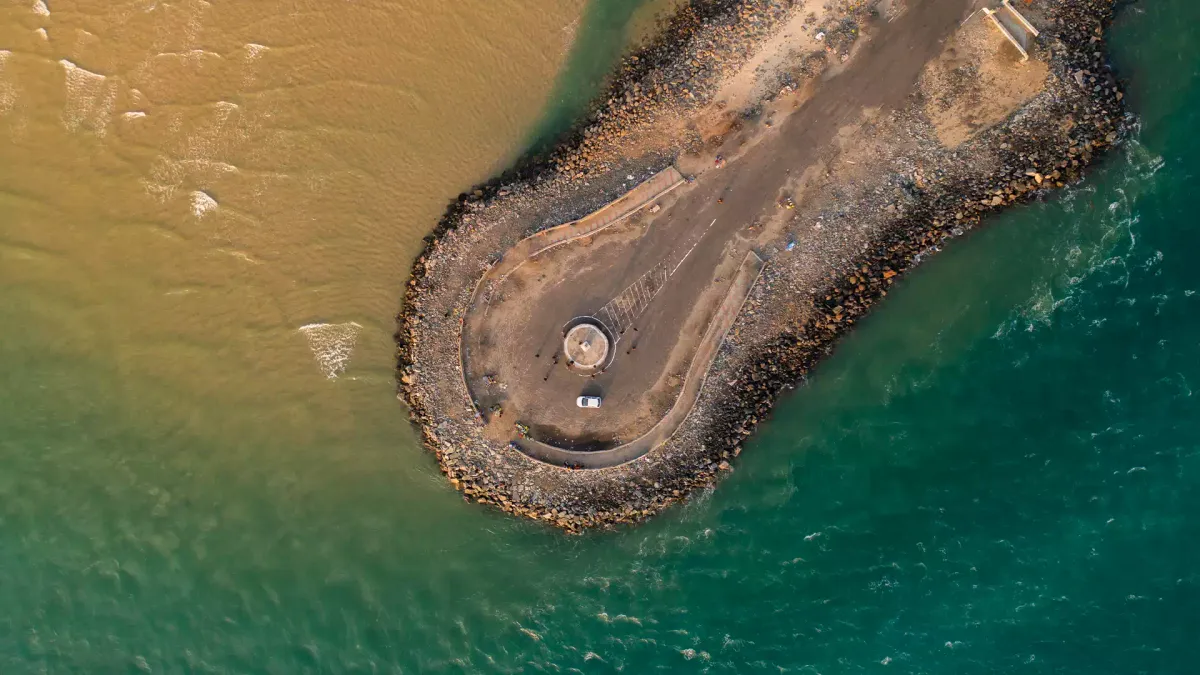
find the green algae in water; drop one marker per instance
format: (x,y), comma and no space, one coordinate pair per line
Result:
(998,472)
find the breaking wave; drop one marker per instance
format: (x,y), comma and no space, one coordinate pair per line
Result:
(331,344)
(90,99)
(1102,239)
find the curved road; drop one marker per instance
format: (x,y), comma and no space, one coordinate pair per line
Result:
(611,213)
(739,290)
(881,76)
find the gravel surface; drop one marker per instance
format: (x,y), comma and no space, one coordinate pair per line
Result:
(877,204)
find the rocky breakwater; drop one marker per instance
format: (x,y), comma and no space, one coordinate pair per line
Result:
(658,92)
(1045,146)
(917,194)
(666,81)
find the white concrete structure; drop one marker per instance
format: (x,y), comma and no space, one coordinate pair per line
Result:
(586,347)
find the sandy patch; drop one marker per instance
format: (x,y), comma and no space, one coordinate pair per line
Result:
(977,82)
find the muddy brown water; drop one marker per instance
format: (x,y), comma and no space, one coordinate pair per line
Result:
(224,197)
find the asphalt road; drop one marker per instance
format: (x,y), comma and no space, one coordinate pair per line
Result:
(881,75)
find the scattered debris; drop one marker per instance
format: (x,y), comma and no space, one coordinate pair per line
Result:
(855,251)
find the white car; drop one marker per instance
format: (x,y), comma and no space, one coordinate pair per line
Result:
(588,401)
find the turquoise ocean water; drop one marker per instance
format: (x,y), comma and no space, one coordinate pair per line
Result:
(999,472)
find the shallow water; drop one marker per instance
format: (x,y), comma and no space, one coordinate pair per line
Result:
(997,472)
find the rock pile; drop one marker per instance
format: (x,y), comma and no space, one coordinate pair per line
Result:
(931,195)
(1047,147)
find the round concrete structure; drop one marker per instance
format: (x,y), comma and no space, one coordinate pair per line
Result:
(586,347)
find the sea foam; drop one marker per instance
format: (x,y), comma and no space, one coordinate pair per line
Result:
(331,344)
(8,93)
(90,99)
(202,203)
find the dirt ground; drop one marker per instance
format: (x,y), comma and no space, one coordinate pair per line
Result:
(514,363)
(840,198)
(515,360)
(977,81)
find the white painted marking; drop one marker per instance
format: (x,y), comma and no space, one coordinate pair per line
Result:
(615,312)
(626,314)
(612,322)
(685,255)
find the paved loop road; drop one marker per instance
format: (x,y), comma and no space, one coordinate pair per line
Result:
(739,290)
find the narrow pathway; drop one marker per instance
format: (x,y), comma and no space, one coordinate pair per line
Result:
(611,213)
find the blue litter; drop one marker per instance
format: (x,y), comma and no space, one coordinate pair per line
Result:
(791,245)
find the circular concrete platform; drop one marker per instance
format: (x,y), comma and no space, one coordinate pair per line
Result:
(586,347)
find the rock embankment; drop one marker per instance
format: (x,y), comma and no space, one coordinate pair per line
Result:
(858,233)
(1046,147)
